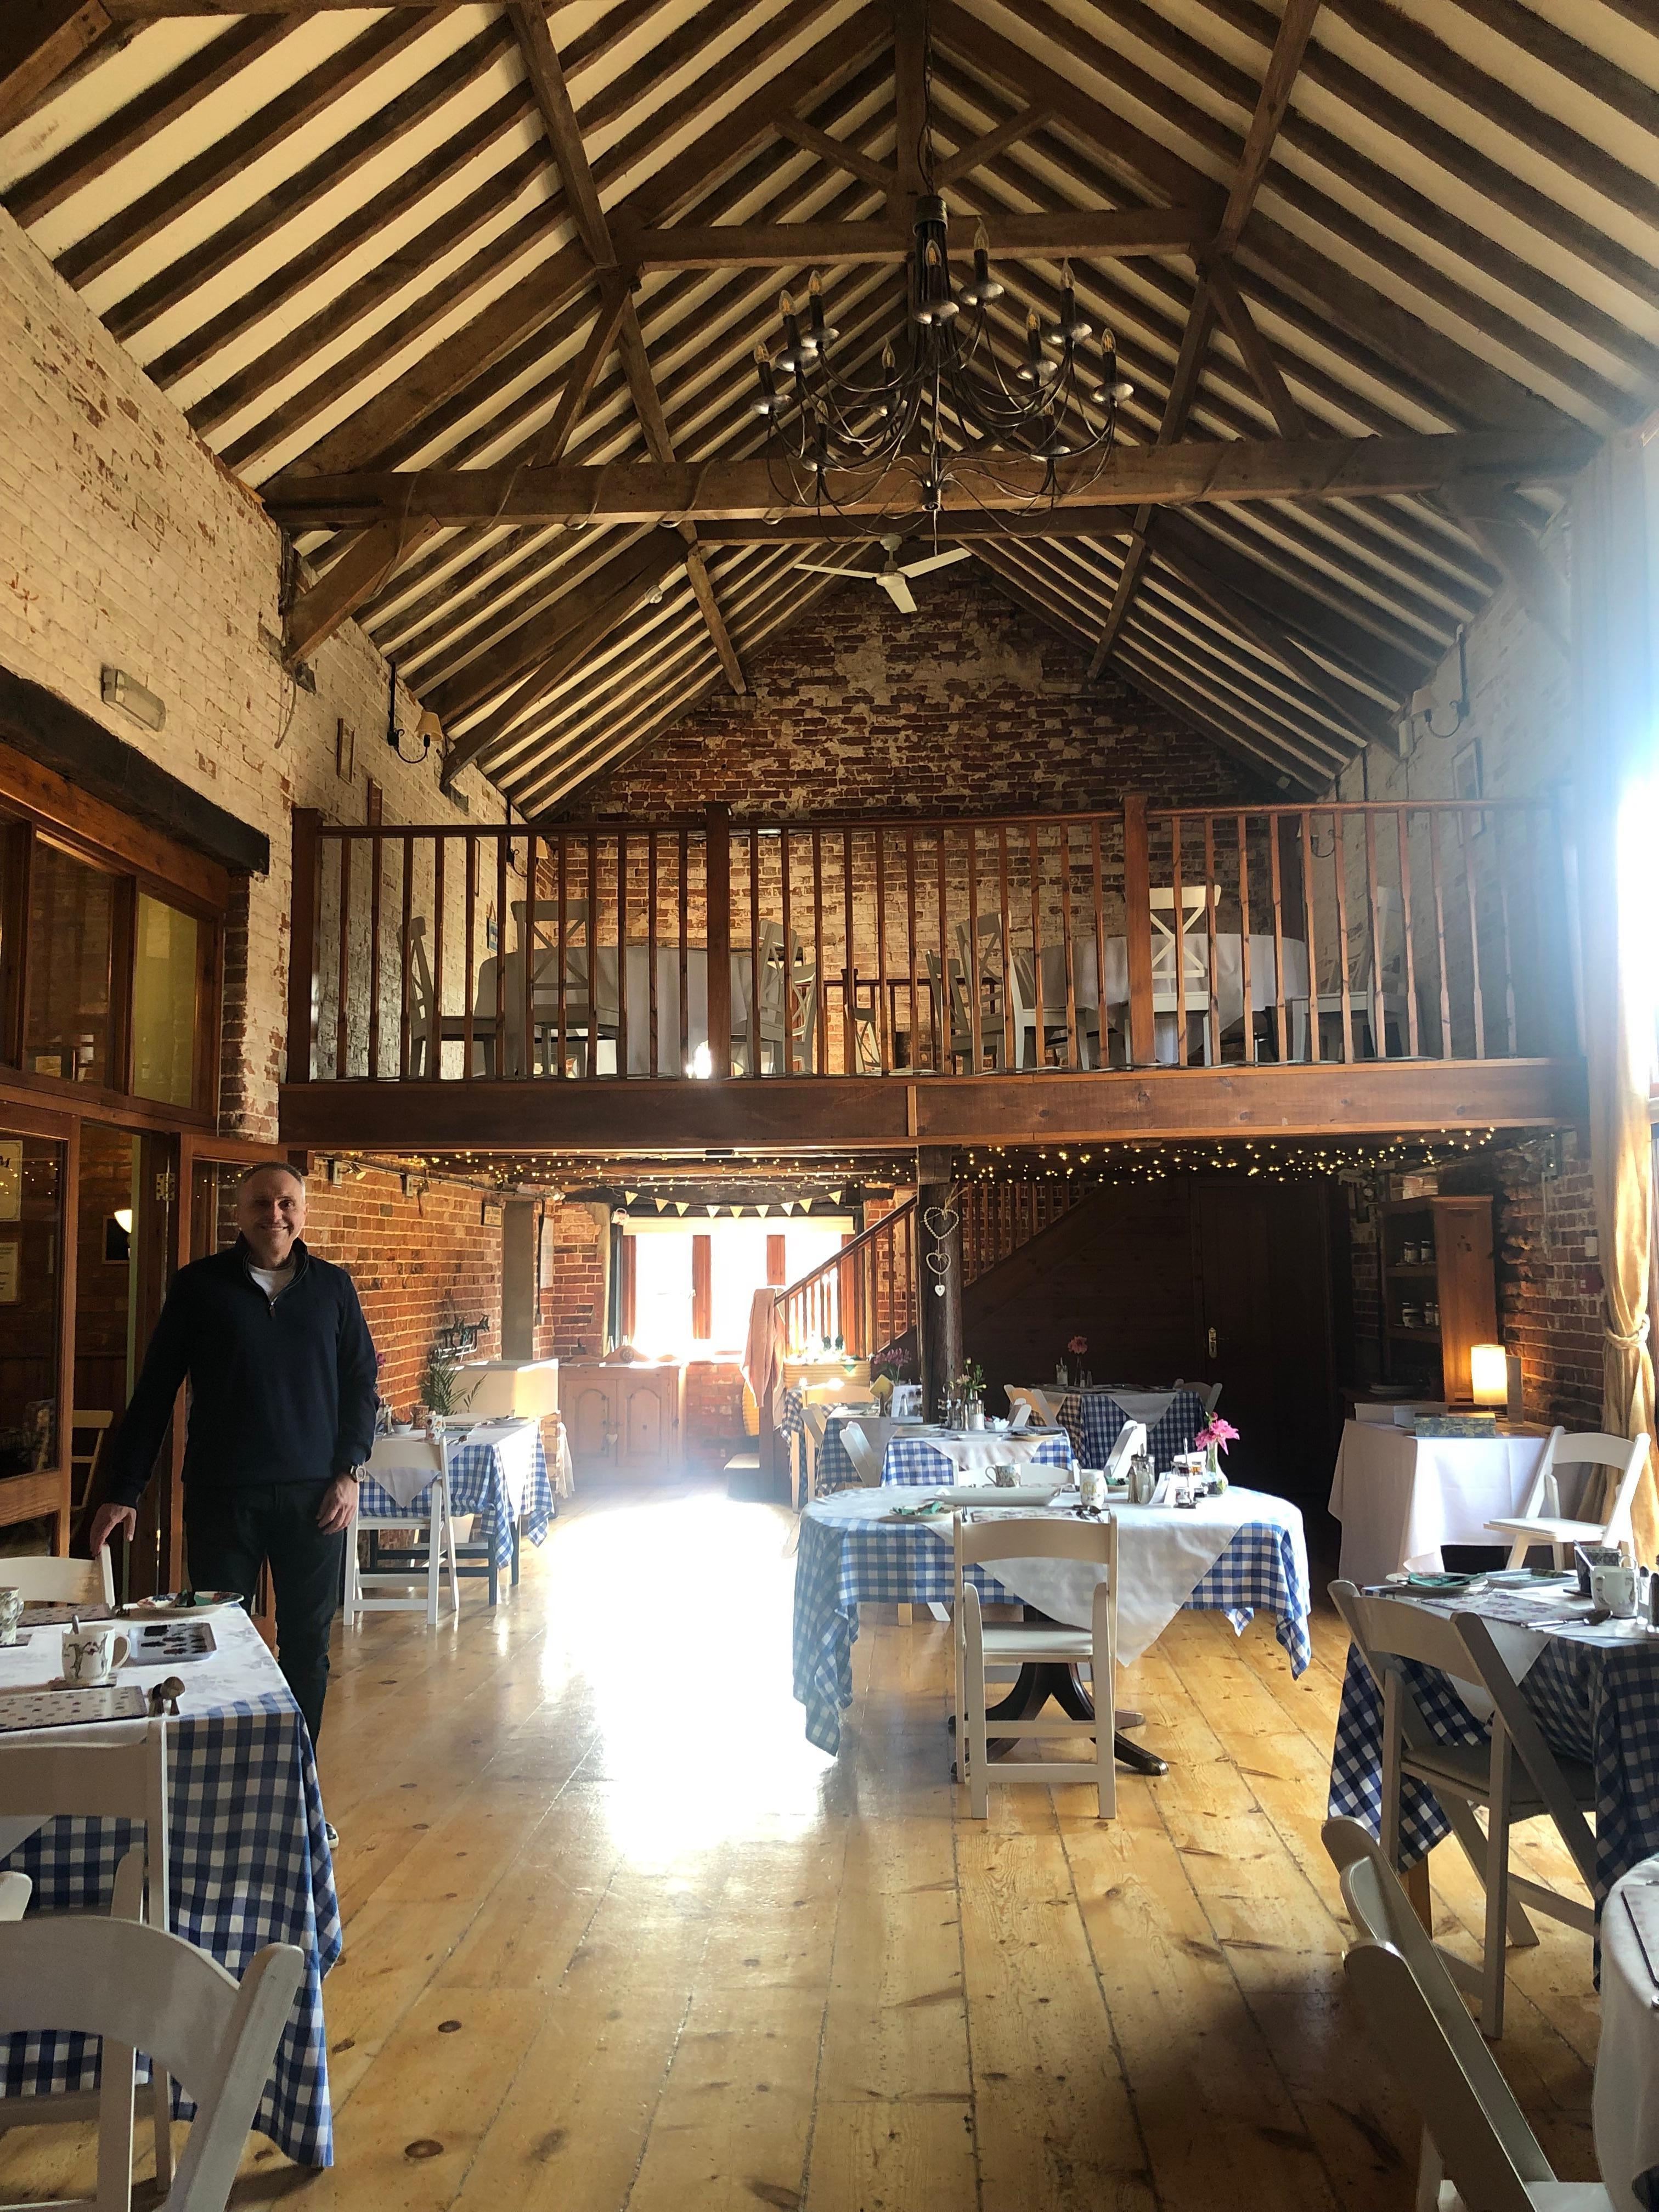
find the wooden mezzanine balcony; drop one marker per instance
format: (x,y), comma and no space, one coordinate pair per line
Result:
(1137,971)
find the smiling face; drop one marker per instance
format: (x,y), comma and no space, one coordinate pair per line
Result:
(270,1212)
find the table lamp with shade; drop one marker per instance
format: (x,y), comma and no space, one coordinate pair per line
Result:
(1495,1379)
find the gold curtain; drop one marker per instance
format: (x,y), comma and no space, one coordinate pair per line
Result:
(1613,660)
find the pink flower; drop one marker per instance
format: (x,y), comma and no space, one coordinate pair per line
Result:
(1078,1346)
(1215,1431)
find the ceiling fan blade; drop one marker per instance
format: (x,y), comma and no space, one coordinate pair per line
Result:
(820,568)
(898,590)
(935,561)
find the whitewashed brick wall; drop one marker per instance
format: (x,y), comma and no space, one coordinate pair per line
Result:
(123,541)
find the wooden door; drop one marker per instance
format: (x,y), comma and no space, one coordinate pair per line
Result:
(645,1431)
(591,1426)
(1266,1320)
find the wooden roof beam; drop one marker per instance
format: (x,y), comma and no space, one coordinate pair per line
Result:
(1107,232)
(39,41)
(1183,473)
(1295,30)
(837,151)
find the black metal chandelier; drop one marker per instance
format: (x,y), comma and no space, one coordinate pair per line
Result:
(947,409)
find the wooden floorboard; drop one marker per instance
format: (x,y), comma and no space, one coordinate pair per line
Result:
(618,1940)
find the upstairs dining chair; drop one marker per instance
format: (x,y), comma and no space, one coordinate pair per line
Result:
(45,1579)
(1006,999)
(121,1777)
(1375,1000)
(778,1010)
(1514,1777)
(138,1988)
(1541,1521)
(982,1539)
(1478,2153)
(1181,961)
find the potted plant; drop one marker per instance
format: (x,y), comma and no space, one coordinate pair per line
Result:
(968,1389)
(438,1380)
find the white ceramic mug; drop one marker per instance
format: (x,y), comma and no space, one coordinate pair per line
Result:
(1091,1488)
(1615,1589)
(92,1653)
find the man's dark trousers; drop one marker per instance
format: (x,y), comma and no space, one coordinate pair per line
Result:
(229,1532)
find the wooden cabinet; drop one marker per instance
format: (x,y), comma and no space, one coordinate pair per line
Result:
(1439,1295)
(624,1418)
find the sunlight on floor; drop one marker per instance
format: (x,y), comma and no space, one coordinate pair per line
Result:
(627,1596)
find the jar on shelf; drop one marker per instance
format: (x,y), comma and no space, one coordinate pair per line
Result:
(1411,1316)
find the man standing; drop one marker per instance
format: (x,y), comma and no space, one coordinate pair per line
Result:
(281,1413)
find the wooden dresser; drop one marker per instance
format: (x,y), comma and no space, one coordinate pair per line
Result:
(624,1417)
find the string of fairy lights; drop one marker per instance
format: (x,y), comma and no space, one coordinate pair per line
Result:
(795,1182)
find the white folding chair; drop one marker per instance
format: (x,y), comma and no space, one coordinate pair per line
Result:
(15,1891)
(140,1989)
(46,1579)
(815,1421)
(122,1777)
(1181,958)
(1540,1520)
(429,1509)
(1515,1776)
(1473,2130)
(862,1451)
(1023,1407)
(982,1539)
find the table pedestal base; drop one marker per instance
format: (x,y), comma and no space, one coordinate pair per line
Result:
(1033,1687)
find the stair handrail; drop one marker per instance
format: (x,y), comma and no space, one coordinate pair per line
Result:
(796,1297)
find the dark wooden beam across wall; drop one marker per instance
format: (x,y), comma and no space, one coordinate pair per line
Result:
(838,1113)
(1101,231)
(40,40)
(1179,474)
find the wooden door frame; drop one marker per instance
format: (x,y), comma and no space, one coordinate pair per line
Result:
(46,1492)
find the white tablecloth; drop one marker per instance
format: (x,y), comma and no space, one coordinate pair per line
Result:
(1402,1497)
(1627,2106)
(403,1465)
(1163,1553)
(1230,973)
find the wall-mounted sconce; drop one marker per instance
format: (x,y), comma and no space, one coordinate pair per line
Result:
(126,692)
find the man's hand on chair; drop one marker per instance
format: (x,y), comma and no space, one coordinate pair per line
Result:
(107,1520)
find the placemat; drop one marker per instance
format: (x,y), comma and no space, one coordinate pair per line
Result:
(38,1708)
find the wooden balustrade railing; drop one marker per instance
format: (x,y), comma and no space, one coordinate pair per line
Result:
(863,1298)
(1137,936)
(999,1217)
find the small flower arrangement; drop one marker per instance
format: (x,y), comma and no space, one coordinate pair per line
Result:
(1212,1439)
(1077,1348)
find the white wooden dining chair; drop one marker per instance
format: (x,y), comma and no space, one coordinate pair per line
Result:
(141,1989)
(119,1778)
(864,1453)
(427,1558)
(15,1891)
(979,956)
(1514,1777)
(815,1426)
(1473,2129)
(46,1579)
(1183,950)
(981,1540)
(1376,988)
(1541,1521)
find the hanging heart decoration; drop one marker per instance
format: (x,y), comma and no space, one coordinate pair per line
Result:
(941,1220)
(938,1290)
(939,1262)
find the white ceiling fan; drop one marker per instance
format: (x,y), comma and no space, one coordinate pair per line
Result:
(894,577)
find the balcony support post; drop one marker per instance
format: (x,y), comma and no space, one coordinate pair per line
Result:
(717,869)
(302,944)
(938,1247)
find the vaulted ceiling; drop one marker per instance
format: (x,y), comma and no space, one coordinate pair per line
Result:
(419,273)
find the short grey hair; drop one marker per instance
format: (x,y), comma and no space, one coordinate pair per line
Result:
(264,1167)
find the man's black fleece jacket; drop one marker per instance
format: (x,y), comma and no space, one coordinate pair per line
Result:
(281,1391)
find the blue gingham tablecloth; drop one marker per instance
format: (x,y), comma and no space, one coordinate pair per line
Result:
(1092,1419)
(849,1556)
(1599,1703)
(250,1865)
(913,1459)
(478,1484)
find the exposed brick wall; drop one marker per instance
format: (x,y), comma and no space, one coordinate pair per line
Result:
(123,541)
(970,706)
(574,1264)
(408,1257)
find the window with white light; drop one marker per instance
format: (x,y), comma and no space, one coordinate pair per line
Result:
(738,1254)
